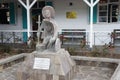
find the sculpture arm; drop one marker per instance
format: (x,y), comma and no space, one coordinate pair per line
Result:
(55,35)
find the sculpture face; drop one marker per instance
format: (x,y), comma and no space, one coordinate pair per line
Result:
(47,14)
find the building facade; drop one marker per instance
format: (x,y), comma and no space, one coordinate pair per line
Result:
(70,14)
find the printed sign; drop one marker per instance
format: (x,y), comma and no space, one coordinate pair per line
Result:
(71,15)
(41,63)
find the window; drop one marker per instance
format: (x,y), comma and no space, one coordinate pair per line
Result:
(7,15)
(4,16)
(108,11)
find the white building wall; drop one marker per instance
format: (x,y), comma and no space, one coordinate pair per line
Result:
(79,7)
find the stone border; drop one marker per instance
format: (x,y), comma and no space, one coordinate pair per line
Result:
(5,63)
(116,73)
(8,62)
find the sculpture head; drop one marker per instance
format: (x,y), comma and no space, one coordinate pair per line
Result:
(48,12)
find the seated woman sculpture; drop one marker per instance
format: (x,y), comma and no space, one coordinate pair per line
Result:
(50,33)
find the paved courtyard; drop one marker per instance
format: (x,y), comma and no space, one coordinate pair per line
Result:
(93,73)
(83,73)
(9,73)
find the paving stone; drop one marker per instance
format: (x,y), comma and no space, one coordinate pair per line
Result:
(83,73)
(93,73)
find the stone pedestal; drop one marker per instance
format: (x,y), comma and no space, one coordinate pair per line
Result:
(62,67)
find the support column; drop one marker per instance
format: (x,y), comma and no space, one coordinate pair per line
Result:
(28,7)
(91,4)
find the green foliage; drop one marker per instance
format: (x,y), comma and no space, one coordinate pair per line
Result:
(82,43)
(71,50)
(5,48)
(105,50)
(100,51)
(95,52)
(20,51)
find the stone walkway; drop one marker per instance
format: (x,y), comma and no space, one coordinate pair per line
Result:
(83,73)
(93,73)
(9,73)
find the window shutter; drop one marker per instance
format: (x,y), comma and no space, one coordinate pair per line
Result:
(12,13)
(24,22)
(95,14)
(24,18)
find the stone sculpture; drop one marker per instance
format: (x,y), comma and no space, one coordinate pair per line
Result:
(50,33)
(53,62)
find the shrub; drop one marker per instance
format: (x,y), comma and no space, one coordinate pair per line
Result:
(5,48)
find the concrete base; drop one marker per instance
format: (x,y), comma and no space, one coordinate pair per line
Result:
(62,67)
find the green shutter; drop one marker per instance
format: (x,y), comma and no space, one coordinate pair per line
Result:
(24,22)
(95,14)
(24,18)
(25,37)
(49,3)
(12,13)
